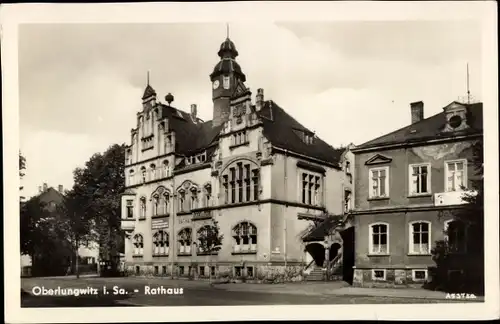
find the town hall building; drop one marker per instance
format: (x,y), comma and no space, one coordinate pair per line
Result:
(253,168)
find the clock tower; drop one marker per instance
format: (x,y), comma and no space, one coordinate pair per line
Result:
(224,78)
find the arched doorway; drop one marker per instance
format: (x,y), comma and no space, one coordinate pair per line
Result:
(317,252)
(334,250)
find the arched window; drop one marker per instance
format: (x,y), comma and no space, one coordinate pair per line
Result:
(164,203)
(166,170)
(143,174)
(420,237)
(131,177)
(181,200)
(456,235)
(245,237)
(379,238)
(240,182)
(207,197)
(160,243)
(156,205)
(143,207)
(184,240)
(138,244)
(194,198)
(152,169)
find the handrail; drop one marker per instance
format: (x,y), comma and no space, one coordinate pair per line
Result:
(307,267)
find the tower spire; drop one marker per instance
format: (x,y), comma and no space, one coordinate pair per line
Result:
(227,30)
(147,80)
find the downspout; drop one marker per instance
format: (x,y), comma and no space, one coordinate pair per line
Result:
(286,208)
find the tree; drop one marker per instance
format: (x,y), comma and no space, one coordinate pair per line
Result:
(76,225)
(98,186)
(210,242)
(40,234)
(471,216)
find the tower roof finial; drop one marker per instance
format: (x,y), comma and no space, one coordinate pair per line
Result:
(147,80)
(227,30)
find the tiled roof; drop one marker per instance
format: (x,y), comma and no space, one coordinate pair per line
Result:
(429,128)
(323,229)
(281,129)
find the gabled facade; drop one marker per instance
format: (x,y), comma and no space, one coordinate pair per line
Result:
(253,168)
(403,181)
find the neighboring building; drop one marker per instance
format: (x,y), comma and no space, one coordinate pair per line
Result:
(255,169)
(51,198)
(403,180)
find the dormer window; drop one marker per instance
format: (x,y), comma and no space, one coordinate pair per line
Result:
(306,136)
(456,117)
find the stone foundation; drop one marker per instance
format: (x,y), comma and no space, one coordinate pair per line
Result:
(247,272)
(394,278)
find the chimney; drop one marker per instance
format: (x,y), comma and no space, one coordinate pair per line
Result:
(45,187)
(417,111)
(193,111)
(60,188)
(259,99)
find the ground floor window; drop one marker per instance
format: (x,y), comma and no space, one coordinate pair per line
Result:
(212,270)
(419,275)
(378,274)
(202,271)
(137,270)
(237,271)
(156,270)
(181,270)
(250,271)
(164,269)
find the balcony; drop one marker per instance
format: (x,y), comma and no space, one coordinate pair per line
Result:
(127,224)
(451,198)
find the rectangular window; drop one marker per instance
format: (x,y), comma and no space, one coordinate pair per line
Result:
(347,167)
(379,182)
(137,270)
(379,239)
(181,270)
(202,271)
(419,275)
(420,238)
(233,185)
(247,183)
(255,179)
(237,271)
(378,274)
(164,269)
(225,183)
(250,272)
(347,201)
(212,270)
(240,182)
(130,209)
(456,236)
(420,179)
(311,189)
(456,175)
(156,270)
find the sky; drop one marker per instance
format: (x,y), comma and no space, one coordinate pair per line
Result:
(80,85)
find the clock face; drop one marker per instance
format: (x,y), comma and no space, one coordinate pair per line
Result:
(216,84)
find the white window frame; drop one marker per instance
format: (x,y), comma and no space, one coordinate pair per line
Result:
(413,277)
(370,238)
(379,279)
(410,179)
(370,182)
(464,161)
(410,240)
